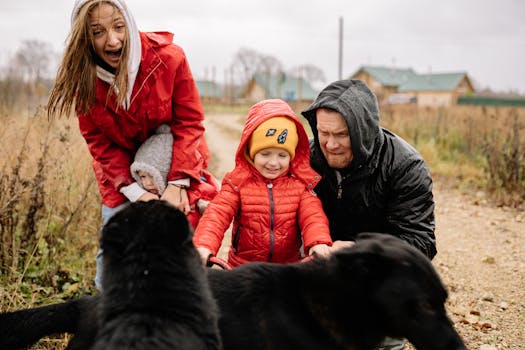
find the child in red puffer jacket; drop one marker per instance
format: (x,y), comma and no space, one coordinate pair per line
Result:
(269,195)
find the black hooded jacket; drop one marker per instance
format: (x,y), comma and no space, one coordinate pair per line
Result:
(387,187)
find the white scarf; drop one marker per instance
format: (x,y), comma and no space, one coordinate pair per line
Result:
(135,50)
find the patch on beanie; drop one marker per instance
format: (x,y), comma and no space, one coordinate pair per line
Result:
(282,136)
(271,132)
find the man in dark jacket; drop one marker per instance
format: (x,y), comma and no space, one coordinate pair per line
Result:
(373,181)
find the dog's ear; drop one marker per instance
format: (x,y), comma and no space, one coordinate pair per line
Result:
(169,218)
(113,238)
(365,267)
(364,264)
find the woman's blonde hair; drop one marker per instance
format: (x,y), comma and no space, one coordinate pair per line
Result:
(76,81)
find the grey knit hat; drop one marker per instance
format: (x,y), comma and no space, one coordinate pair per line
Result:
(154,157)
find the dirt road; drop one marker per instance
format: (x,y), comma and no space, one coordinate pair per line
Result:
(481,252)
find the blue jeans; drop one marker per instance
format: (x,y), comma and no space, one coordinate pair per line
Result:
(107,213)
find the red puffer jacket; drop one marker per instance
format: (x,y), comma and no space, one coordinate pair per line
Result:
(269,215)
(164,92)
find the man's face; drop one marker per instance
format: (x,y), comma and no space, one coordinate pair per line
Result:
(334,138)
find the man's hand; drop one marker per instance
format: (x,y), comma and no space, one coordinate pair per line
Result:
(337,245)
(320,250)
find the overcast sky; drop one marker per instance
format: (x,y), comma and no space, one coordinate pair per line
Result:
(485,38)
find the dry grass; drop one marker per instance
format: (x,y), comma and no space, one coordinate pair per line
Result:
(50,209)
(49,214)
(480,147)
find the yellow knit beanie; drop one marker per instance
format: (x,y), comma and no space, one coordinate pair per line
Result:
(278,132)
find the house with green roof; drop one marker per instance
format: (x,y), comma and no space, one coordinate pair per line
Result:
(283,86)
(209,90)
(394,85)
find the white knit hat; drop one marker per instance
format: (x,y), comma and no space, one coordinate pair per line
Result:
(154,157)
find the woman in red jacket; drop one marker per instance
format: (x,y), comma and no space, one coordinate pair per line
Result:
(123,84)
(269,195)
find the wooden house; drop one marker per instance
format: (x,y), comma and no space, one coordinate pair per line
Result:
(393,85)
(210,91)
(441,89)
(283,86)
(383,81)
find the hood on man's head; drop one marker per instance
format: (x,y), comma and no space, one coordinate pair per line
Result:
(358,105)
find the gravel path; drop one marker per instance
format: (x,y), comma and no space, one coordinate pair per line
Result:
(481,258)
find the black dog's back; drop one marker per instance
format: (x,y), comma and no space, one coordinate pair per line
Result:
(380,287)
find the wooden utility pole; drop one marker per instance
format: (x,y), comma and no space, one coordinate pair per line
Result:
(340,48)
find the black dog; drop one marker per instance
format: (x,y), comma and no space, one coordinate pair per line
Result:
(380,287)
(155,291)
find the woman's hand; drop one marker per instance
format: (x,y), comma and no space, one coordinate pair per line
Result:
(178,197)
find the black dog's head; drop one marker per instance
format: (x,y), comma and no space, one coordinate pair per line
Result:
(140,224)
(404,295)
(144,247)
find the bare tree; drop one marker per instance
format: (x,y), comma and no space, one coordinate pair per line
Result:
(33,59)
(312,74)
(270,65)
(31,63)
(247,61)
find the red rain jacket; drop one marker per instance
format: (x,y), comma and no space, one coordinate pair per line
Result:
(164,92)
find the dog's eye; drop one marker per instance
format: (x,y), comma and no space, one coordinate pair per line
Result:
(425,307)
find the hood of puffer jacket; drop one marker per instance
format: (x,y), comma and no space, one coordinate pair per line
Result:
(299,165)
(358,105)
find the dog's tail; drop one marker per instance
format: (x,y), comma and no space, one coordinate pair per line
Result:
(22,328)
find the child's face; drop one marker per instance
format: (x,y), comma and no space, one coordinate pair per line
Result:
(271,162)
(147,182)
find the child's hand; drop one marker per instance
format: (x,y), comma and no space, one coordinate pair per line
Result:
(202,205)
(205,254)
(320,250)
(148,196)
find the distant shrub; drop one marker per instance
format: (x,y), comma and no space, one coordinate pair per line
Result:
(477,145)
